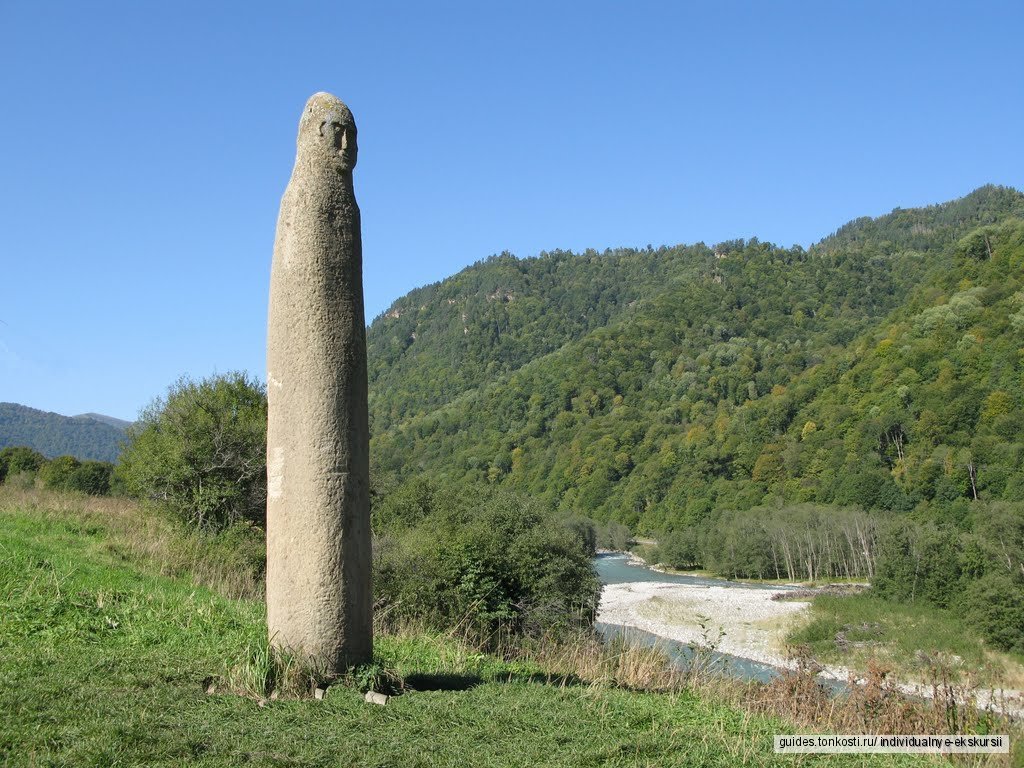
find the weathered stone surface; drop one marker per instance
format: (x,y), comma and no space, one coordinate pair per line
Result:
(318,509)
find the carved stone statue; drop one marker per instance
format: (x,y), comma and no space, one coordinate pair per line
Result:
(319,601)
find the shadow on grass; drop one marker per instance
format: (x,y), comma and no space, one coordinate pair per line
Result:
(539,678)
(448,681)
(441,681)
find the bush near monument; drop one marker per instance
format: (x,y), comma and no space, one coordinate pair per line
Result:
(487,562)
(202,451)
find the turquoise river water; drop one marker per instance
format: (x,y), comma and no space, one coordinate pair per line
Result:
(615,568)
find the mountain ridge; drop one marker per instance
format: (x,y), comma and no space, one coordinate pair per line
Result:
(104,419)
(706,365)
(85,437)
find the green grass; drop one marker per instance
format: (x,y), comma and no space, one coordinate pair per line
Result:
(105,663)
(908,638)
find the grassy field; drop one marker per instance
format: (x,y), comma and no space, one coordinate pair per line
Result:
(105,661)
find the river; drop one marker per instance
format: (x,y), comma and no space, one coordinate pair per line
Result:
(617,568)
(637,588)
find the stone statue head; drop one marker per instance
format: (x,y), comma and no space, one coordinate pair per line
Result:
(327,131)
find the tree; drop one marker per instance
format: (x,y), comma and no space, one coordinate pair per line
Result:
(57,473)
(918,562)
(994,604)
(93,477)
(66,473)
(202,450)
(19,458)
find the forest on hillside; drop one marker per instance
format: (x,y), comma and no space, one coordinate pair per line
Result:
(763,411)
(880,368)
(85,437)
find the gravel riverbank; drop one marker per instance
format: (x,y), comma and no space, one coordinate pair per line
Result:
(745,622)
(739,621)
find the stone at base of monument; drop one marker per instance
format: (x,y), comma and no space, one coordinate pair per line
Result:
(372,697)
(319,597)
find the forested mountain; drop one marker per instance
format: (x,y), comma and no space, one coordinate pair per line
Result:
(494,317)
(881,369)
(84,437)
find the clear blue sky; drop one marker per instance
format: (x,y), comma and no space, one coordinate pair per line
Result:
(144,148)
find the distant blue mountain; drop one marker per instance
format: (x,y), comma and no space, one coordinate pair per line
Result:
(88,436)
(114,422)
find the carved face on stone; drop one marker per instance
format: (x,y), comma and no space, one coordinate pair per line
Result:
(327,130)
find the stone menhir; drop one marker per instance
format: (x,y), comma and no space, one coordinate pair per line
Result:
(318,506)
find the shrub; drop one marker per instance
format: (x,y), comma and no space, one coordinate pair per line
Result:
(23,481)
(19,459)
(485,562)
(66,473)
(202,450)
(93,477)
(585,531)
(57,473)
